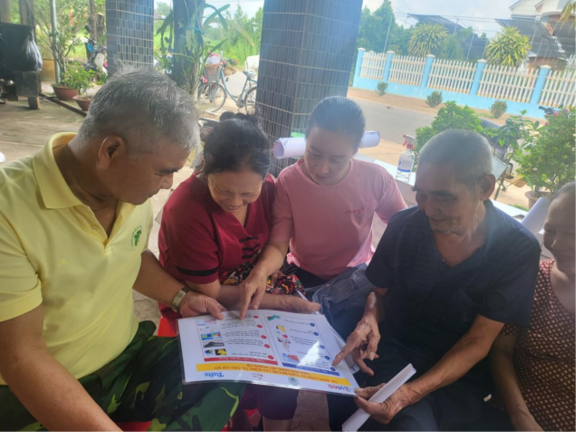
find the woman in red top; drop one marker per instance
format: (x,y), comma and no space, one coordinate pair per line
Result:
(218,221)
(533,367)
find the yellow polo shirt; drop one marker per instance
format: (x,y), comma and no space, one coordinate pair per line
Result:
(55,253)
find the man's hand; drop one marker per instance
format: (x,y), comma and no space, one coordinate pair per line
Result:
(366,335)
(194,304)
(252,289)
(386,411)
(524,421)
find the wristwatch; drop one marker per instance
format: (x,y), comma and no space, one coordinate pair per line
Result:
(178,298)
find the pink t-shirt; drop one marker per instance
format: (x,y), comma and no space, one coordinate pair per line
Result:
(330,227)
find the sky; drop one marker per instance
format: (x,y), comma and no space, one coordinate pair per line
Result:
(478,12)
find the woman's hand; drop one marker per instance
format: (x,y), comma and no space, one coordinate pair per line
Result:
(194,304)
(362,343)
(251,291)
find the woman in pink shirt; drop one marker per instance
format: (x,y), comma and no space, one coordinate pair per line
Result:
(324,207)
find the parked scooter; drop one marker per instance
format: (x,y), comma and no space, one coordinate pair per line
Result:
(96,56)
(548,110)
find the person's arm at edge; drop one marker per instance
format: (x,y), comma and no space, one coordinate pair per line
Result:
(506,380)
(36,377)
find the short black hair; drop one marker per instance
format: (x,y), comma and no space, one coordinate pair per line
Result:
(227,115)
(339,115)
(236,143)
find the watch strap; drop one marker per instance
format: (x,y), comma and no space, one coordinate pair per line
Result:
(177,300)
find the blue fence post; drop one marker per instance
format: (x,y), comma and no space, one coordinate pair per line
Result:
(477,77)
(387,66)
(358,69)
(539,86)
(427,69)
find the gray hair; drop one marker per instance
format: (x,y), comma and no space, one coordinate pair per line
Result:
(567,189)
(467,151)
(142,106)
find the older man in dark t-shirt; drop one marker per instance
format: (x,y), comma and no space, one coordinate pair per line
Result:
(450,273)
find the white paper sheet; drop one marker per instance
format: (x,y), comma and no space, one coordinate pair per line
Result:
(294,147)
(268,347)
(357,419)
(535,218)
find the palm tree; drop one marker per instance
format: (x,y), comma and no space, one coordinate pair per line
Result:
(426,39)
(508,48)
(568,10)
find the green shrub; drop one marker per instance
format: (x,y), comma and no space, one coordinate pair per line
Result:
(547,161)
(434,99)
(77,78)
(498,108)
(450,116)
(381,88)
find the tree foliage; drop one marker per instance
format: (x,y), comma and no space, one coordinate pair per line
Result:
(450,116)
(373,29)
(508,48)
(72,16)
(548,157)
(427,39)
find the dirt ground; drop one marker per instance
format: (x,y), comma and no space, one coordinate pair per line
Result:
(23,132)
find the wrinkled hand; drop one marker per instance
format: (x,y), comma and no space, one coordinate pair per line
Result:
(194,304)
(386,411)
(366,334)
(290,303)
(251,291)
(525,422)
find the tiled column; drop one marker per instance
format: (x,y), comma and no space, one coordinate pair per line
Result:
(130,32)
(306,54)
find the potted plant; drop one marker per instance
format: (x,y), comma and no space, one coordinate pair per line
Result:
(74,80)
(547,160)
(85,80)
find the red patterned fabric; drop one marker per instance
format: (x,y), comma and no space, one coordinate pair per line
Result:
(544,358)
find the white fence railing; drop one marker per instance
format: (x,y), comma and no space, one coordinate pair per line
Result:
(452,75)
(407,70)
(560,88)
(373,65)
(508,83)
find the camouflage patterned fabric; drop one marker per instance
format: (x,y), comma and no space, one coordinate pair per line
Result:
(144,383)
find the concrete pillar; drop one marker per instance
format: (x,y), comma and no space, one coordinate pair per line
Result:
(388,65)
(361,52)
(130,33)
(477,77)
(306,54)
(539,86)
(427,69)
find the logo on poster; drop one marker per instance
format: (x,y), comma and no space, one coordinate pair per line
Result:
(293,381)
(214,374)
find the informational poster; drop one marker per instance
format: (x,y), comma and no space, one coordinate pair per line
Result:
(281,349)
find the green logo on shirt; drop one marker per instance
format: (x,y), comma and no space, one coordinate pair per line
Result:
(136,236)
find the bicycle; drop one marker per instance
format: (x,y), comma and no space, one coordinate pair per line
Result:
(213,93)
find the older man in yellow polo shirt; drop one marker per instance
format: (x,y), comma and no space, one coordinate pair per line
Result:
(74,225)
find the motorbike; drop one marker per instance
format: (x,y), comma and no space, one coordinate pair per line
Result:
(548,110)
(96,55)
